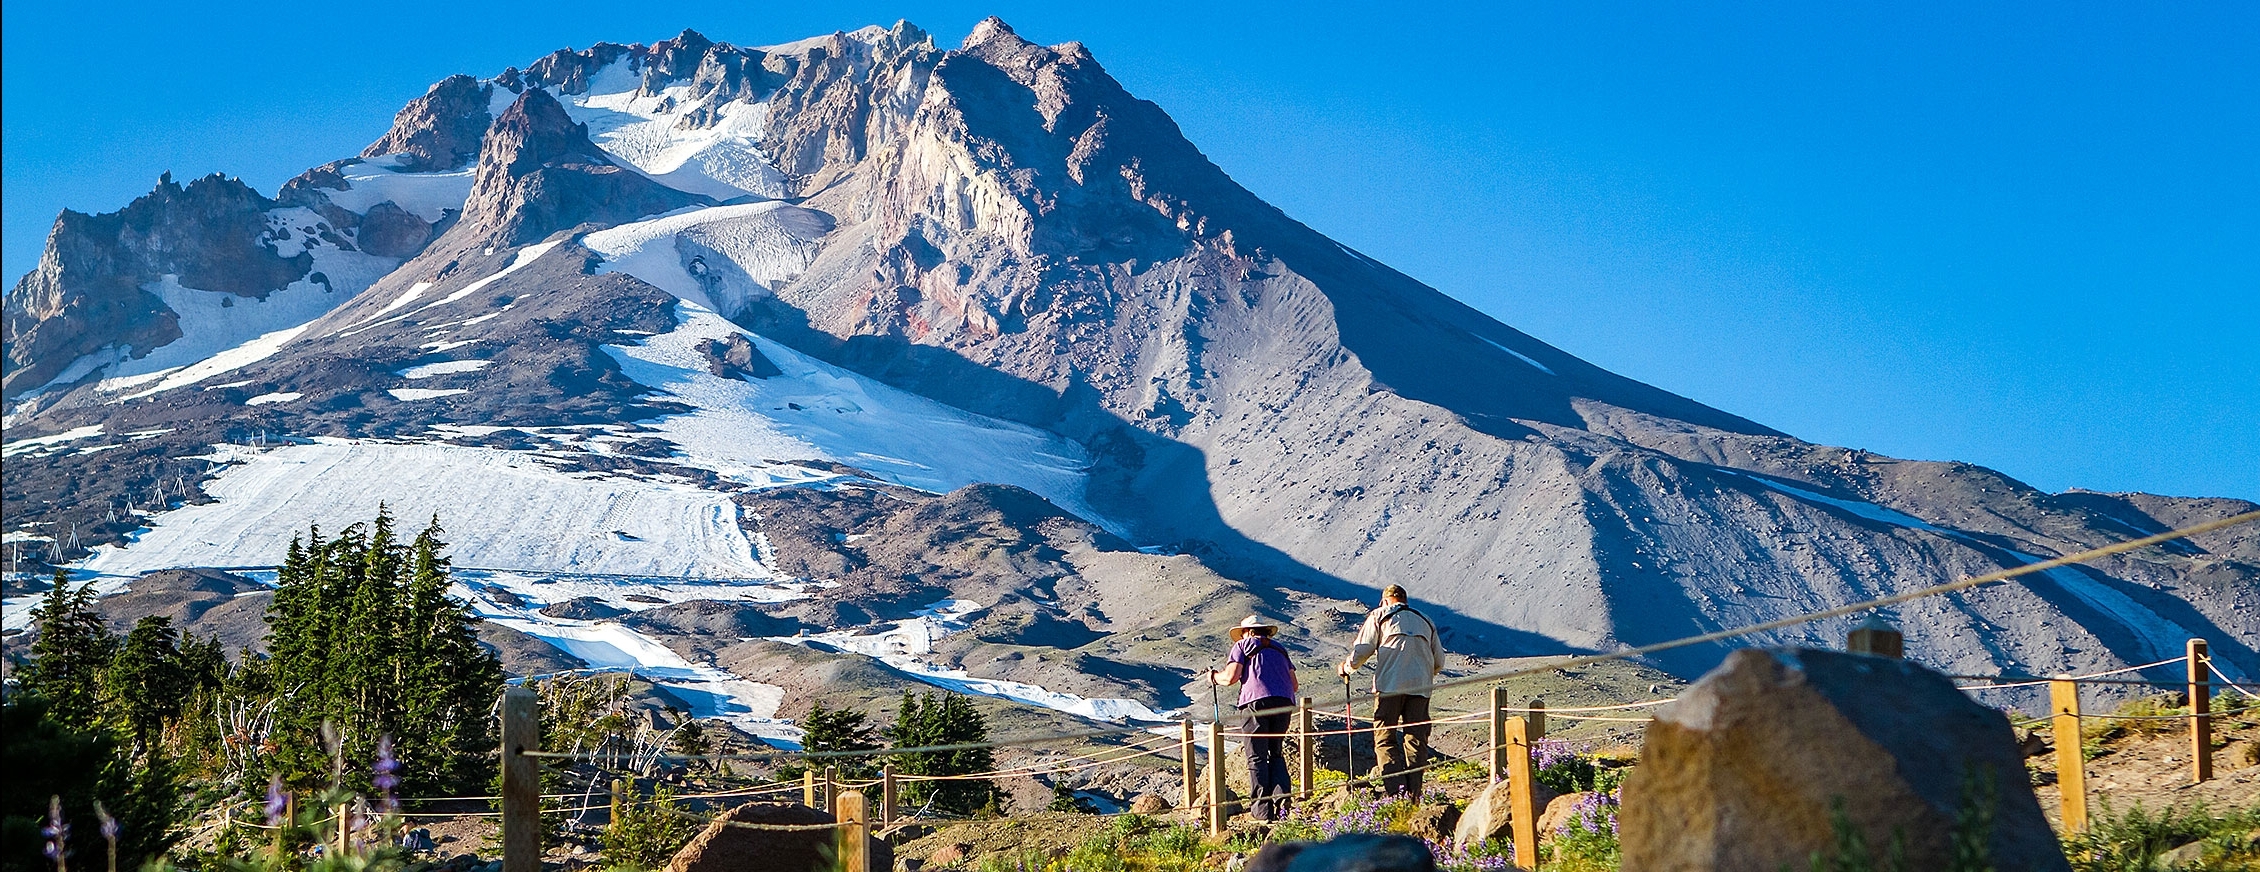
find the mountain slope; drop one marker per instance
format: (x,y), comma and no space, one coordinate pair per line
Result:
(675,272)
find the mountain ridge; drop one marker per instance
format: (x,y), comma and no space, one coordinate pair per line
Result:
(1005,231)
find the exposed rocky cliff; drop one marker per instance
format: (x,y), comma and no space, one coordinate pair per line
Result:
(440,130)
(87,293)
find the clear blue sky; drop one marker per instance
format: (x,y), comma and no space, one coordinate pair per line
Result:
(2021,235)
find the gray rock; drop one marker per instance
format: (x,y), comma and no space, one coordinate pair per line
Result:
(1749,768)
(1490,815)
(1365,852)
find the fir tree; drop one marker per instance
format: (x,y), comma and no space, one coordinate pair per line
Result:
(942,719)
(826,730)
(73,650)
(145,684)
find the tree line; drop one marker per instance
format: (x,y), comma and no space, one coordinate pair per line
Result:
(126,733)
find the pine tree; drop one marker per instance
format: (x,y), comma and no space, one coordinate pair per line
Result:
(144,685)
(942,719)
(363,635)
(829,730)
(73,650)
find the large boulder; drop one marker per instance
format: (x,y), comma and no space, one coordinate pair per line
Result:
(1561,814)
(1491,814)
(726,848)
(1755,762)
(1364,852)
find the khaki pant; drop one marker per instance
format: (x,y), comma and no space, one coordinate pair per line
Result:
(1401,747)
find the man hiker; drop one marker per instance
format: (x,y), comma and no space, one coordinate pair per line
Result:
(1267,684)
(1402,643)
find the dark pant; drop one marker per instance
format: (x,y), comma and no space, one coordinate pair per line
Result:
(1268,781)
(1400,739)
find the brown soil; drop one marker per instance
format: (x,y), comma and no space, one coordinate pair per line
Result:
(2149,765)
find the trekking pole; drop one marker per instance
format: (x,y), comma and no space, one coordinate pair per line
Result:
(1215,705)
(1349,731)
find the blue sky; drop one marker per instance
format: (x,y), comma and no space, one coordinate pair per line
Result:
(2020,235)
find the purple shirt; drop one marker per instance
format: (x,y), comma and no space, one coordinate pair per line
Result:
(1264,670)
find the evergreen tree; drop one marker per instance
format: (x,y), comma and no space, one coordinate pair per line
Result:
(145,684)
(72,652)
(362,634)
(943,719)
(43,756)
(825,730)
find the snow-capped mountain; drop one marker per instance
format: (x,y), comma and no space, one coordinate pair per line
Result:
(629,311)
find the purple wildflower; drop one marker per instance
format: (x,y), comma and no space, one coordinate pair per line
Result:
(56,831)
(278,802)
(387,781)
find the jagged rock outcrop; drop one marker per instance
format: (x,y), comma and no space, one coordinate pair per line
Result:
(440,130)
(86,294)
(539,173)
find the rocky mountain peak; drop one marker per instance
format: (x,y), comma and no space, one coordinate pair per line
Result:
(87,292)
(990,29)
(440,130)
(538,173)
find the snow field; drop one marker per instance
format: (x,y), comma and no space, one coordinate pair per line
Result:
(742,426)
(500,508)
(710,692)
(429,196)
(905,645)
(43,444)
(745,250)
(722,160)
(277,397)
(410,395)
(445,367)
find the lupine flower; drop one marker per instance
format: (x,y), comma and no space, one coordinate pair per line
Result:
(56,831)
(387,780)
(278,802)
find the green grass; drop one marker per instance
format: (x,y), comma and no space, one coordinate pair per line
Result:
(2133,841)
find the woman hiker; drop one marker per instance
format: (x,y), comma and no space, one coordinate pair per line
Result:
(1267,684)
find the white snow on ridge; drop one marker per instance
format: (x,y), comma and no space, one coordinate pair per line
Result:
(501,509)
(526,255)
(277,397)
(445,367)
(904,645)
(722,159)
(40,443)
(743,251)
(410,395)
(816,411)
(710,692)
(429,196)
(1519,355)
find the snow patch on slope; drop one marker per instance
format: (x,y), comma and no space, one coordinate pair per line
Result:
(528,515)
(721,257)
(429,196)
(905,646)
(1519,355)
(719,156)
(741,429)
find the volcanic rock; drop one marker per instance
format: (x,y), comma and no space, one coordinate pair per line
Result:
(1748,769)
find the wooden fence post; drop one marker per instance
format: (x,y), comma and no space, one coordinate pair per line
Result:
(2200,712)
(2071,759)
(1521,804)
(1216,755)
(521,781)
(1498,734)
(1185,761)
(808,788)
(855,831)
(1537,717)
(1308,765)
(831,786)
(619,798)
(887,796)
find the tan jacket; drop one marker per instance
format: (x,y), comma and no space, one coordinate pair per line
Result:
(1409,653)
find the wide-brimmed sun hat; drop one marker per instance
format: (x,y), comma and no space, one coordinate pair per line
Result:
(1251,622)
